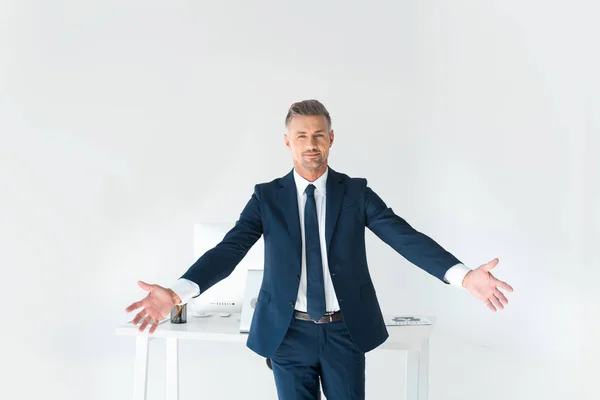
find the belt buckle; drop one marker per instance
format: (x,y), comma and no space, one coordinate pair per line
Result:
(325,322)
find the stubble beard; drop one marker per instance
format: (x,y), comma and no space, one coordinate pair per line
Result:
(313,164)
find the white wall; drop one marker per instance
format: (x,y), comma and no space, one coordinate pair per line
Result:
(124,123)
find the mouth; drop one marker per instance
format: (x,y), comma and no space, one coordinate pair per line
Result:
(312,155)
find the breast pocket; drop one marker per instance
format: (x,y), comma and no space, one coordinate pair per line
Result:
(348,207)
(350,213)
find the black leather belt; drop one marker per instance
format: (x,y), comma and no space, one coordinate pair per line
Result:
(328,317)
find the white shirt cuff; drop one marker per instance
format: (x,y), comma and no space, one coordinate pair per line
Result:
(456,274)
(185,289)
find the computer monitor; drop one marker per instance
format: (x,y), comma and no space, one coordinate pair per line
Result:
(227,295)
(253,283)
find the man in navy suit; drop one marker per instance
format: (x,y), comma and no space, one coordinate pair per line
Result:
(317,312)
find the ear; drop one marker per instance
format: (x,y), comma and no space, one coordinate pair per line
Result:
(287,141)
(331,137)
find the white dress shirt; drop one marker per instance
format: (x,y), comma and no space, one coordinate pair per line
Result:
(187,289)
(331,303)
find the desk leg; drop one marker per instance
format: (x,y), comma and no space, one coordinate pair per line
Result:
(172,369)
(140,379)
(417,373)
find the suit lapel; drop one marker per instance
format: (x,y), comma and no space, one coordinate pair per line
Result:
(335,195)
(288,196)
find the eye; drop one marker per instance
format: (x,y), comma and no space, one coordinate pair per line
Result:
(301,136)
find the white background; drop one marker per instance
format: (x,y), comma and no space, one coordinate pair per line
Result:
(123,123)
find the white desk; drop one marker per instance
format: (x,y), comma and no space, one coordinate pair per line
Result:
(413,339)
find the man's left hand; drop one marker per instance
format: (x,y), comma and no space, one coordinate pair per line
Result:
(483,285)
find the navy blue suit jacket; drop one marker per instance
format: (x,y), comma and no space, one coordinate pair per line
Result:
(351,206)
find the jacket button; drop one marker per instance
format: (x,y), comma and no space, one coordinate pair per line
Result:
(291,304)
(298,278)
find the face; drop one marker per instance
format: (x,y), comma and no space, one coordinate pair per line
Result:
(309,140)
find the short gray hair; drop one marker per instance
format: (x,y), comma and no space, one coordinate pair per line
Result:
(307,107)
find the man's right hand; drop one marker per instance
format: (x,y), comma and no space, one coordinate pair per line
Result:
(155,306)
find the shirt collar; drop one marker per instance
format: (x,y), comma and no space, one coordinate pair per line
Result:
(320,183)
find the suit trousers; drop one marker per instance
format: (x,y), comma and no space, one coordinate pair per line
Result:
(311,353)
